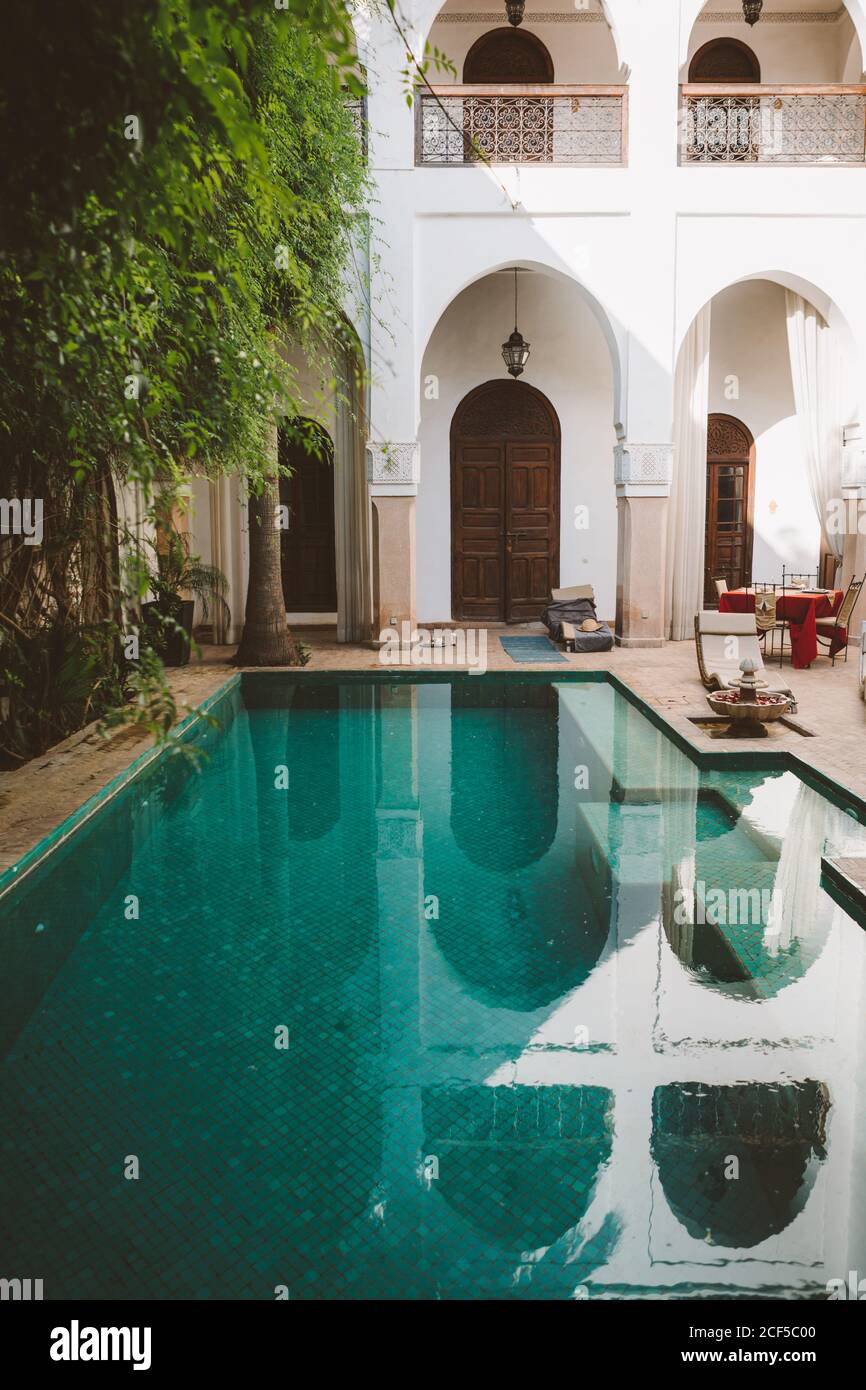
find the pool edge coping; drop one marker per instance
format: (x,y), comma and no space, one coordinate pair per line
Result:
(783,759)
(32,858)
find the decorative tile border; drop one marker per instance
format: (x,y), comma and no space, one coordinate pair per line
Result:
(543,17)
(595,17)
(774,16)
(390,464)
(643,469)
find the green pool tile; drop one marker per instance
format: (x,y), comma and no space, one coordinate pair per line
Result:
(424,908)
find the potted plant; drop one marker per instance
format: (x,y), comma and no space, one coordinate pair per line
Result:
(168,618)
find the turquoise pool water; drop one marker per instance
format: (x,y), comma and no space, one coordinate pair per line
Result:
(461,988)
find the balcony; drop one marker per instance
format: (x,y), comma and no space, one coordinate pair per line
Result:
(805,125)
(542,124)
(357,109)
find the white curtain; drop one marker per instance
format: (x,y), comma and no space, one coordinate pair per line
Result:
(228,520)
(816,371)
(352,516)
(684,582)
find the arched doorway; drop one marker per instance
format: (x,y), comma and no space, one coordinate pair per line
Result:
(730,504)
(724,60)
(505,467)
(507,55)
(308,546)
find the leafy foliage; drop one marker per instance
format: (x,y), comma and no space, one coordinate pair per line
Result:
(181,173)
(177,178)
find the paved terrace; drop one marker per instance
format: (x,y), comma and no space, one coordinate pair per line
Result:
(38,797)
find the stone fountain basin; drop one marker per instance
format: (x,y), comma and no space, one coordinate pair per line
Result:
(768,707)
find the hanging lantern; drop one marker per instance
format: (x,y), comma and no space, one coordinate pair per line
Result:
(752,10)
(514,9)
(515,352)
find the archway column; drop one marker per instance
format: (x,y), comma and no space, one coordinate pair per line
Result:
(393,478)
(643,475)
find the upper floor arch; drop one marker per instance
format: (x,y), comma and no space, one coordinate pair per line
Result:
(585,43)
(794,41)
(838,315)
(452,277)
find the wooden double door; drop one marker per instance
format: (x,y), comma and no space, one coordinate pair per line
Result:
(505,467)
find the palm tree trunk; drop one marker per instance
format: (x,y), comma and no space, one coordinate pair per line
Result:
(266,639)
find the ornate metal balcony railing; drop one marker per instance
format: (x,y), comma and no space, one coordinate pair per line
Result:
(727,124)
(541,124)
(357,108)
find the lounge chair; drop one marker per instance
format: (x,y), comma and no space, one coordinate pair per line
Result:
(719,658)
(568,611)
(577,591)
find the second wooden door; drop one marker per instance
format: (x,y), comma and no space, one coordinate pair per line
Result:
(730,497)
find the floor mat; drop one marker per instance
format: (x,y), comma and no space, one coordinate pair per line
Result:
(531,649)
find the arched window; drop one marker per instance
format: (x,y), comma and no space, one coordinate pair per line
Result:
(725,60)
(507,55)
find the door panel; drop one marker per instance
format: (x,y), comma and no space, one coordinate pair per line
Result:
(531,530)
(477,567)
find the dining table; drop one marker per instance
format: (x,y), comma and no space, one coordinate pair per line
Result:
(801,610)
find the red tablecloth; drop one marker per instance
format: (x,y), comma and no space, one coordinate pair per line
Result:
(800,611)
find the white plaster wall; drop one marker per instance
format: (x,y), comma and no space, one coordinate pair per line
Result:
(570,363)
(850,53)
(749,341)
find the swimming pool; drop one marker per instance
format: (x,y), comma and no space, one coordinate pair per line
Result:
(460,987)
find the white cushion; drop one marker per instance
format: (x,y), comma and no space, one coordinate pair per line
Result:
(579,591)
(736,623)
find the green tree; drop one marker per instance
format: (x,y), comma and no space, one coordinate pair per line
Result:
(147,178)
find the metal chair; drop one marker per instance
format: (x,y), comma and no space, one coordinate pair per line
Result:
(826,628)
(766,618)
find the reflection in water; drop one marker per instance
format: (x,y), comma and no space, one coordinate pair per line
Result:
(509,1071)
(516,947)
(737,1163)
(313,755)
(504,746)
(744,909)
(500,1147)
(516,921)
